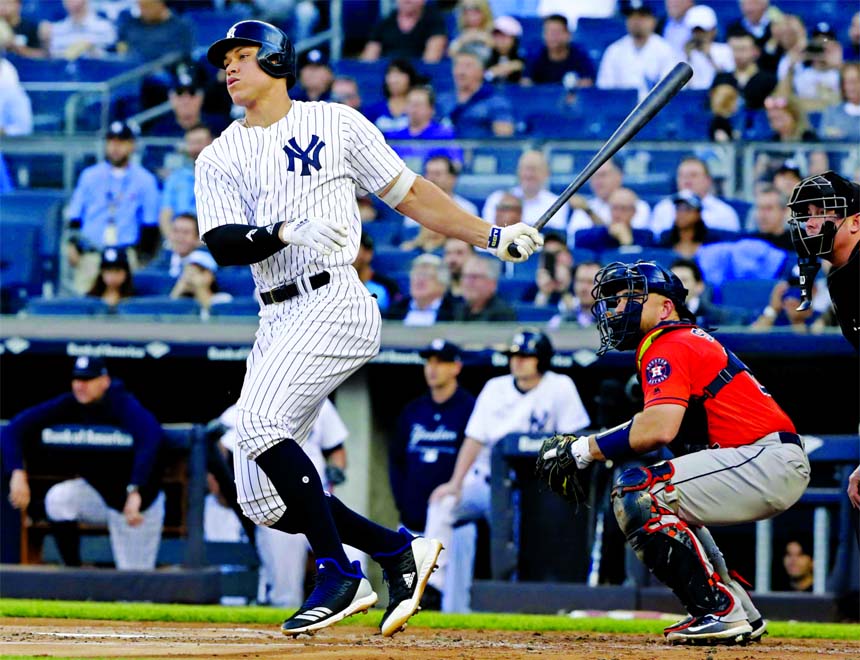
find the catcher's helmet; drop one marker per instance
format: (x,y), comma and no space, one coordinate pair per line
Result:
(621,330)
(276,56)
(530,341)
(827,191)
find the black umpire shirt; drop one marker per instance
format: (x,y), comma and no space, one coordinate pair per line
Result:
(842,283)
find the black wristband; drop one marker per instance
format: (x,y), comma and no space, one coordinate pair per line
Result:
(241,245)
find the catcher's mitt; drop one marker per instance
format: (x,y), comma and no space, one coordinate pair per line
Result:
(557,467)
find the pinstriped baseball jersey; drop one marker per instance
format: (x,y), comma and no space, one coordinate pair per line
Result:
(306,165)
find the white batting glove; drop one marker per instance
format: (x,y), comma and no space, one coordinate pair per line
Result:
(324,235)
(527,239)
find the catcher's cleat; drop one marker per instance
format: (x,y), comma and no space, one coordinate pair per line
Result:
(710,629)
(336,596)
(680,625)
(407,573)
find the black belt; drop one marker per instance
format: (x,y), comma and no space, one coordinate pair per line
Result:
(790,439)
(288,291)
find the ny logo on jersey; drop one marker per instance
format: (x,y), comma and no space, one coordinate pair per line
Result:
(309,157)
(538,421)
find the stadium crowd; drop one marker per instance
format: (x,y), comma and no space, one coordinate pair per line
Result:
(460,70)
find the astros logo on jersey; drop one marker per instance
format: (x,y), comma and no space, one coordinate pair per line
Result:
(657,371)
(309,157)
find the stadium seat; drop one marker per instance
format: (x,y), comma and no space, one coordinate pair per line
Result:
(210,25)
(493,160)
(595,34)
(741,207)
(236,280)
(239,306)
(152,282)
(383,232)
(158,306)
(630,253)
(479,187)
(391,260)
(20,262)
(532,40)
(512,289)
(528,313)
(752,295)
(67,307)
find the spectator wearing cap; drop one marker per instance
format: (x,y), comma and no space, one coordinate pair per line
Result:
(186,97)
(383,288)
(120,487)
(674,28)
(533,189)
(114,282)
(474,29)
(390,114)
(344,89)
(422,125)
(787,176)
(413,30)
(619,231)
(183,239)
(474,108)
(506,64)
(177,197)
(423,450)
(814,79)
(841,121)
(315,78)
(688,231)
(641,58)
(80,33)
(115,204)
(705,56)
(155,32)
(480,285)
(23,38)
(16,111)
(694,176)
(429,299)
(559,56)
(198,281)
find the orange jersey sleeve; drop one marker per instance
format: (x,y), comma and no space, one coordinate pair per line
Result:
(680,363)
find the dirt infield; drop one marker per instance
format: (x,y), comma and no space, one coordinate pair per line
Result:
(113,639)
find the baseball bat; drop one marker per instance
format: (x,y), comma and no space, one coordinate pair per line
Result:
(644,112)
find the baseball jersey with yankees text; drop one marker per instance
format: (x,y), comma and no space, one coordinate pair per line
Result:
(681,363)
(308,164)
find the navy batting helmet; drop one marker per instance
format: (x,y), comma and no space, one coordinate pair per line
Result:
(276,56)
(827,192)
(530,341)
(632,283)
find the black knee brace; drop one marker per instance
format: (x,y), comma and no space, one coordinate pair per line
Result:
(666,546)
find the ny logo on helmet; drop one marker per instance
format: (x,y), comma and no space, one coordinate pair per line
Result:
(309,157)
(231,32)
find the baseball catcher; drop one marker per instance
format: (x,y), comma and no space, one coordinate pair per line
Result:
(755,466)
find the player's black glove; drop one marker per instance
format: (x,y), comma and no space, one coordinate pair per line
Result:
(334,475)
(556,465)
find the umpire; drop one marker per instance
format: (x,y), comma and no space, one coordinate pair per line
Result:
(117,443)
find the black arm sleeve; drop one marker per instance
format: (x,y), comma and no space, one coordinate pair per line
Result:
(242,245)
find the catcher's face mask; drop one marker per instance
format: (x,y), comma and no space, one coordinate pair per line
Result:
(619,292)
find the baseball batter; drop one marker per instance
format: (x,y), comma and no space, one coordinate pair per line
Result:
(531,399)
(277,191)
(755,467)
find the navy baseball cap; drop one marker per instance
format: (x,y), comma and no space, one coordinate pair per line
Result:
(442,349)
(313,57)
(121,131)
(114,258)
(87,368)
(636,7)
(691,199)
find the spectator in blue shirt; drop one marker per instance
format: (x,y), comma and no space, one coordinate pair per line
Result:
(390,114)
(475,109)
(559,56)
(183,239)
(619,232)
(115,204)
(121,487)
(178,194)
(421,112)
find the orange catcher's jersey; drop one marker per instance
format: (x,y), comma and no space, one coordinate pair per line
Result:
(677,364)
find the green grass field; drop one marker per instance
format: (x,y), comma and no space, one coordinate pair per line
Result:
(268,615)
